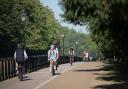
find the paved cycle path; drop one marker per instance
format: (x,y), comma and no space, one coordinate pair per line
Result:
(84,76)
(35,79)
(79,76)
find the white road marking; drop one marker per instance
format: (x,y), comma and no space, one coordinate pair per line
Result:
(40,85)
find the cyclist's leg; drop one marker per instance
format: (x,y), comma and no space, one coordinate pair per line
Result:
(87,59)
(53,67)
(56,64)
(70,60)
(51,62)
(84,59)
(17,68)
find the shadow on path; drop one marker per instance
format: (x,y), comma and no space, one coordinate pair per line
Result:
(26,78)
(118,74)
(57,73)
(87,70)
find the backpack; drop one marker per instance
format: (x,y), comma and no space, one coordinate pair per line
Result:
(19,55)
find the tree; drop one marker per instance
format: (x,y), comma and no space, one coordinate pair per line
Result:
(107,19)
(36,33)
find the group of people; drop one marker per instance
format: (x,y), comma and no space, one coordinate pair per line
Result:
(20,56)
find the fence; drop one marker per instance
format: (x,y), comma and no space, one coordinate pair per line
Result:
(33,63)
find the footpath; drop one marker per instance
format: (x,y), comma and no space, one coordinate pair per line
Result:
(79,76)
(84,76)
(35,79)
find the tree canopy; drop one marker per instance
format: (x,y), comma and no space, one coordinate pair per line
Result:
(36,33)
(107,22)
(84,42)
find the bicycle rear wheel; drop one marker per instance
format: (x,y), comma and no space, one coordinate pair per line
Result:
(20,74)
(21,77)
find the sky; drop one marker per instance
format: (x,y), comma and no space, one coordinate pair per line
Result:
(53,5)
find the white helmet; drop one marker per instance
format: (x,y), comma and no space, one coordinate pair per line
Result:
(52,46)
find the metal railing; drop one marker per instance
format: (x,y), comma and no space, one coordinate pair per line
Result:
(33,63)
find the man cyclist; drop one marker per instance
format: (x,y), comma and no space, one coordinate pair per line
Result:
(20,56)
(71,55)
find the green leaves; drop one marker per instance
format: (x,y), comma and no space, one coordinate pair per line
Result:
(107,21)
(36,33)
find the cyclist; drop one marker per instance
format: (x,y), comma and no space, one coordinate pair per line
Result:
(71,55)
(20,56)
(52,56)
(84,55)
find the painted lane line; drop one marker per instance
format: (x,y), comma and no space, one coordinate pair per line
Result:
(40,85)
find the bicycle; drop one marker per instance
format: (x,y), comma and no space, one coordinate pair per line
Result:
(20,73)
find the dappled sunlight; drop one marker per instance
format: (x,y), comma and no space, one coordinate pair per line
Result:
(112,76)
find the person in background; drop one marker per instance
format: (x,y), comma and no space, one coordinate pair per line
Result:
(84,56)
(71,55)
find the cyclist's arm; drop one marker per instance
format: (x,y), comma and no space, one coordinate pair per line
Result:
(25,55)
(15,61)
(48,55)
(15,55)
(57,54)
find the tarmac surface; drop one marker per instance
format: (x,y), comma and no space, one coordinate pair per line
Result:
(79,76)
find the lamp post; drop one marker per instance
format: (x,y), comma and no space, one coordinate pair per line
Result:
(23,19)
(76,48)
(63,43)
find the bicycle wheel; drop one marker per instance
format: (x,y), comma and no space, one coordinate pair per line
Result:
(21,77)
